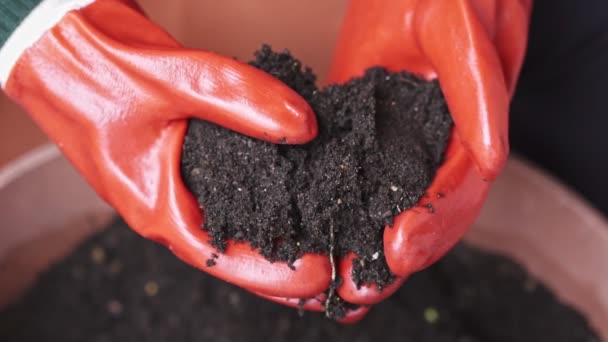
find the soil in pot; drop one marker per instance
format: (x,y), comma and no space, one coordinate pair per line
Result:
(120,287)
(381,139)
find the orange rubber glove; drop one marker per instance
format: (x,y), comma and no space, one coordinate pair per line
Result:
(115,93)
(475,48)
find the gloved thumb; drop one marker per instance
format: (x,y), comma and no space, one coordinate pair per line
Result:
(469,70)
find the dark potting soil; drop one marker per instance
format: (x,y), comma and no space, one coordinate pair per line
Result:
(119,287)
(381,139)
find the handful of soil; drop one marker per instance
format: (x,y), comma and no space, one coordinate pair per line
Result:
(381,139)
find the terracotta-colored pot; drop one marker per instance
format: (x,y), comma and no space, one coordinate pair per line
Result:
(46,209)
(529,217)
(557,236)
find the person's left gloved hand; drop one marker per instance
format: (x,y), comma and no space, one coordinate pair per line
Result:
(115,92)
(475,48)
(89,108)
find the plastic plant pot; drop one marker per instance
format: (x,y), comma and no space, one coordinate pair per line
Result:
(47,209)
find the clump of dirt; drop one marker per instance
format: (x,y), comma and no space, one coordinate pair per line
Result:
(381,139)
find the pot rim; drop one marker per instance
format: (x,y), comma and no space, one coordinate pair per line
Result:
(555,234)
(27,162)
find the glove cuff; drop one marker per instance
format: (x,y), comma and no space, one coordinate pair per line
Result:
(23,22)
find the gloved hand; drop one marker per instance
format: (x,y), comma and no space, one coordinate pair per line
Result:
(114,92)
(475,48)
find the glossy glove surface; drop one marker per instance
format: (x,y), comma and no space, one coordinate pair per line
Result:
(475,48)
(114,92)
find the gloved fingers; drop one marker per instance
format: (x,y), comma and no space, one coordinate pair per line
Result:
(315,304)
(244,267)
(362,41)
(469,69)
(355,315)
(174,219)
(193,83)
(239,264)
(229,93)
(366,294)
(511,40)
(377,33)
(421,235)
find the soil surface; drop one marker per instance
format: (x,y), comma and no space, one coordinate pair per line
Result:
(119,287)
(381,139)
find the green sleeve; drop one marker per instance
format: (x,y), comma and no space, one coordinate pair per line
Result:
(12,13)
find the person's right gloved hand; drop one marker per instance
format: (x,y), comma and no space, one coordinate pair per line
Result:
(475,49)
(115,93)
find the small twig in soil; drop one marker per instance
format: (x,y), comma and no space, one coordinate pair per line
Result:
(332,261)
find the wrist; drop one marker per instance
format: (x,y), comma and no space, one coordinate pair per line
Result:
(23,22)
